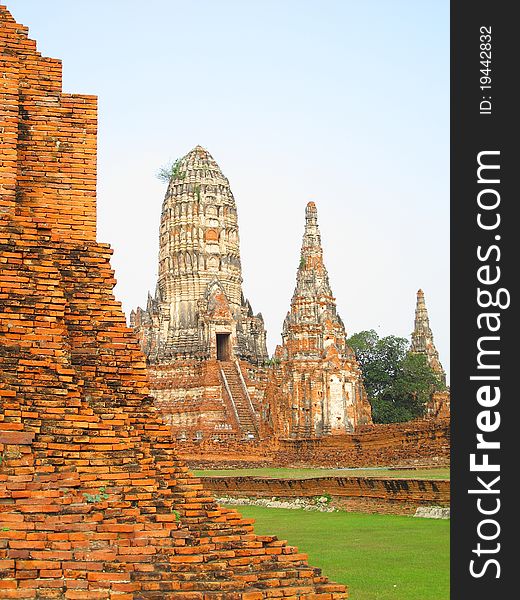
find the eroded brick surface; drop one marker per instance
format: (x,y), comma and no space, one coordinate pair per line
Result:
(94,504)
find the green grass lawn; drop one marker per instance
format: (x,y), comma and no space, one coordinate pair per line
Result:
(438,473)
(379,557)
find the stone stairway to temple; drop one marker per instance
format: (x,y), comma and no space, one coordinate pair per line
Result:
(235,388)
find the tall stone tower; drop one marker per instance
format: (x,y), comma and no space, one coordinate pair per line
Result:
(199,311)
(205,348)
(422,337)
(317,387)
(312,324)
(438,406)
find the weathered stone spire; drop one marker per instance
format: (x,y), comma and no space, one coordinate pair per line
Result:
(312,272)
(312,303)
(199,288)
(422,337)
(319,388)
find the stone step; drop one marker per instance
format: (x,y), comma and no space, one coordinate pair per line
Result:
(246,417)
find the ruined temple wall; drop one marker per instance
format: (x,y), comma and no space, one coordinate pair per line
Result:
(415,443)
(366,494)
(419,443)
(189,396)
(308,398)
(279,412)
(438,406)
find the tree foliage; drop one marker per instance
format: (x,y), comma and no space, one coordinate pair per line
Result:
(398,382)
(170,171)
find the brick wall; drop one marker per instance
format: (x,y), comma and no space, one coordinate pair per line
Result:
(48,139)
(415,443)
(424,443)
(366,494)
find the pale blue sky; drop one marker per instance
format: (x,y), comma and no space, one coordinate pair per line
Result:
(340,102)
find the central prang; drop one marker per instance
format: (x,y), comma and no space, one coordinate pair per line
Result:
(199,296)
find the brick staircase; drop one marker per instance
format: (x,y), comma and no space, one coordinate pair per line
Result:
(244,411)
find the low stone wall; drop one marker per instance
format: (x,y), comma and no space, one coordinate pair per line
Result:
(418,443)
(364,494)
(425,442)
(226,454)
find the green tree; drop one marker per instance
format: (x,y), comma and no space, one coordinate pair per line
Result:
(398,383)
(170,171)
(379,359)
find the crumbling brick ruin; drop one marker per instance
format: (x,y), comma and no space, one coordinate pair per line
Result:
(205,349)
(422,343)
(316,386)
(94,504)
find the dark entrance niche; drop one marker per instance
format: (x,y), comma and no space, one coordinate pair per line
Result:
(223,346)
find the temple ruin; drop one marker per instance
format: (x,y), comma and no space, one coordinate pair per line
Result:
(422,338)
(205,349)
(316,386)
(422,343)
(95,503)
